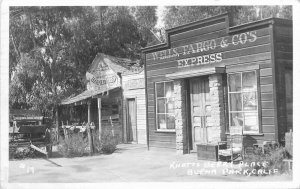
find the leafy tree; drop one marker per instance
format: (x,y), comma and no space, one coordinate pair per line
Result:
(178,15)
(41,68)
(52,47)
(146,19)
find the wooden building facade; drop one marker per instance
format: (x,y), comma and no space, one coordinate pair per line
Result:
(134,107)
(109,103)
(208,77)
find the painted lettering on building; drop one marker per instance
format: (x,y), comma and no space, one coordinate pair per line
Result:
(103,78)
(203,47)
(199,60)
(135,84)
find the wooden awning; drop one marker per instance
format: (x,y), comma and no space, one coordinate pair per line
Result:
(196,72)
(85,95)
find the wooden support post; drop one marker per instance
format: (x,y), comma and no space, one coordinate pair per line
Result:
(65,131)
(88,128)
(99,117)
(89,111)
(57,123)
(112,126)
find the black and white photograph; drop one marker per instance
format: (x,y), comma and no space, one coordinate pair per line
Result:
(116,95)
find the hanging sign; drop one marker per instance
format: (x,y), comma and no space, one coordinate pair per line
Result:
(102,78)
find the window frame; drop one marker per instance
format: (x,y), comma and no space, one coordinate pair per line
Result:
(258,109)
(165,113)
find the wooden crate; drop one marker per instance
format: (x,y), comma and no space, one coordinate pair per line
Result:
(208,151)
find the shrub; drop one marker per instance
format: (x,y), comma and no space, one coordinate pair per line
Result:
(75,145)
(96,142)
(108,143)
(22,152)
(273,156)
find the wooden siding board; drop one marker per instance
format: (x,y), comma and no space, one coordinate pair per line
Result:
(266,80)
(284,55)
(199,38)
(198,31)
(286,47)
(267,104)
(267,96)
(284,39)
(266,88)
(265,65)
(268,120)
(268,128)
(266,72)
(284,31)
(268,113)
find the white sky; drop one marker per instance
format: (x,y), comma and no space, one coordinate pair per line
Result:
(159,13)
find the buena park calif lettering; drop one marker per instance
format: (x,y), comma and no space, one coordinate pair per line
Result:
(204,46)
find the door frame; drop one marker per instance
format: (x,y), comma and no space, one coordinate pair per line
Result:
(127,119)
(189,112)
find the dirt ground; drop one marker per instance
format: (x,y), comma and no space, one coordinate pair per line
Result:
(130,163)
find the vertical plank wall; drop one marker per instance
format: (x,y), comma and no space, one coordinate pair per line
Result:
(139,95)
(283,40)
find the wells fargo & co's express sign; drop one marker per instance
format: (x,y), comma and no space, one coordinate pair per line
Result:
(204,46)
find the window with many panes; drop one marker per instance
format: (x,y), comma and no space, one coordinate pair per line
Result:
(242,101)
(165,118)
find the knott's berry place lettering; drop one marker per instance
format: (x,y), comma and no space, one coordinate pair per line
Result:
(205,46)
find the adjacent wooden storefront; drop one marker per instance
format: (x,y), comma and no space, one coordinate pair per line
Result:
(114,101)
(209,77)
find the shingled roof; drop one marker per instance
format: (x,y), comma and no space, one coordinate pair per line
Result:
(118,65)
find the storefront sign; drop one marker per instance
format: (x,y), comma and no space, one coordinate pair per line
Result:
(29,118)
(205,46)
(135,84)
(102,78)
(104,81)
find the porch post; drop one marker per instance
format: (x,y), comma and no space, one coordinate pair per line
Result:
(57,123)
(99,117)
(89,111)
(89,128)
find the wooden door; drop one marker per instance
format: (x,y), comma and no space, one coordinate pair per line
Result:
(131,121)
(199,93)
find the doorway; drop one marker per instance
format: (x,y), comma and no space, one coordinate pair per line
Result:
(131,130)
(200,105)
